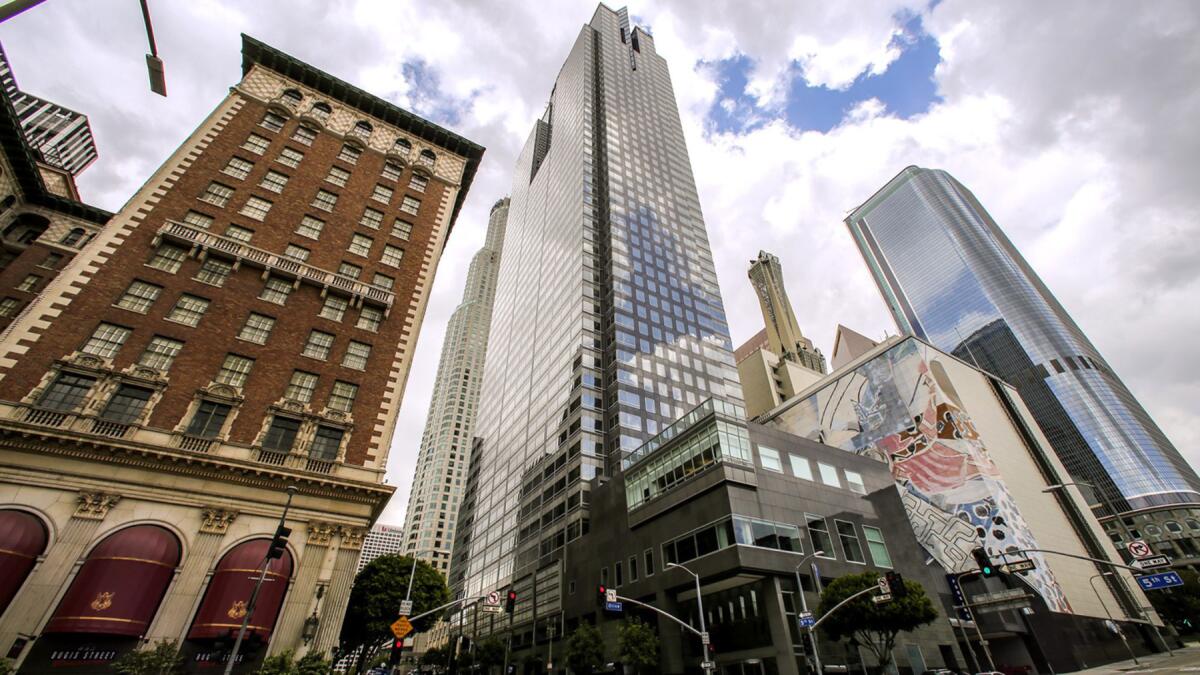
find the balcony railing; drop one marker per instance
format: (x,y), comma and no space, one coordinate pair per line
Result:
(194,443)
(272,261)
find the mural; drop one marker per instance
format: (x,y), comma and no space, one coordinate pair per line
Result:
(902,408)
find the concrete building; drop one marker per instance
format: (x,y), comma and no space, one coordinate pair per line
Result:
(381,540)
(443,462)
(244,323)
(608,321)
(951,277)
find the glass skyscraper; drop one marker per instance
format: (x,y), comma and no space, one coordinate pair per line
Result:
(951,277)
(608,322)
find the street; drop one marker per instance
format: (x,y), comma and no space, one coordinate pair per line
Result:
(1184,661)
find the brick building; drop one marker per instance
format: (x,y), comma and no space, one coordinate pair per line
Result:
(244,323)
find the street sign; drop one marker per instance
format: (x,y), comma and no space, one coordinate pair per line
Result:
(614,606)
(1023,565)
(708,665)
(883,585)
(881,598)
(405,607)
(1139,549)
(493,598)
(704,638)
(806,619)
(1152,563)
(401,627)
(492,609)
(1152,582)
(610,595)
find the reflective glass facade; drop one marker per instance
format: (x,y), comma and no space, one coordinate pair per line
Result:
(608,322)
(951,277)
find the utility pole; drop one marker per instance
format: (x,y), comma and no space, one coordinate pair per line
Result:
(812,639)
(705,664)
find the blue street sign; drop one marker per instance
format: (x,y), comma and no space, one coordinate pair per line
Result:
(807,621)
(614,606)
(1151,582)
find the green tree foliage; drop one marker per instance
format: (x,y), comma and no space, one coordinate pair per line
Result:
(375,599)
(161,659)
(638,646)
(435,656)
(5,667)
(869,625)
(1180,606)
(585,649)
(489,653)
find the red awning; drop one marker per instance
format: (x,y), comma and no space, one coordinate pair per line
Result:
(22,539)
(121,583)
(228,594)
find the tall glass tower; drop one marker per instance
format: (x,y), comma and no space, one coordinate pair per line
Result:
(608,322)
(950,276)
(441,470)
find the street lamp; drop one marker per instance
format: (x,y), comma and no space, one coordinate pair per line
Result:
(699,606)
(804,606)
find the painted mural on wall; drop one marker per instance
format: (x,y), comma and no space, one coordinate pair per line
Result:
(902,408)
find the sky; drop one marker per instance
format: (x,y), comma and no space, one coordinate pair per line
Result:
(1075,124)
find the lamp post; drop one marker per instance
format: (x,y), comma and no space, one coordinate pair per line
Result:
(812,638)
(1120,633)
(700,608)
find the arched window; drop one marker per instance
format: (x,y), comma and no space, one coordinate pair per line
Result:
(120,585)
(229,590)
(8,201)
(403,146)
(321,110)
(427,158)
(23,538)
(73,238)
(26,228)
(363,126)
(292,95)
(1173,527)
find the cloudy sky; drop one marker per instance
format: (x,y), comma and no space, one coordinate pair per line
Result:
(1075,123)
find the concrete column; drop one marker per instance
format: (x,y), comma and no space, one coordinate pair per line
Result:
(190,582)
(37,599)
(777,622)
(299,603)
(670,635)
(338,594)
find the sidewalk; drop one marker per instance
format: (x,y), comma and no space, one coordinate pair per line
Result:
(1186,660)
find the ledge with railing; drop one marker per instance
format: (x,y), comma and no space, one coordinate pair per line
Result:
(292,460)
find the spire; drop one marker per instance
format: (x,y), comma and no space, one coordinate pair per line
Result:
(783,331)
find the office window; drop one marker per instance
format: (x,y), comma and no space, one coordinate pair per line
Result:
(73,238)
(51,261)
(410,205)
(326,443)
(290,157)
(305,135)
(209,419)
(349,270)
(9,307)
(350,154)
(281,435)
(818,535)
(297,252)
(829,474)
(301,387)
(849,539)
(256,208)
(274,181)
(342,396)
(360,244)
(418,183)
(879,552)
(197,219)
(126,405)
(356,355)
(256,144)
(257,328)
(338,176)
(235,370)
(310,227)
(854,481)
(160,353)
(369,318)
(168,258)
(318,345)
(383,281)
(618,576)
(216,194)
(392,255)
(66,392)
(139,297)
(392,170)
(800,467)
(402,229)
(633,569)
(334,308)
(238,168)
(106,340)
(239,233)
(276,290)
(188,310)
(29,283)
(325,200)
(382,193)
(770,459)
(273,121)
(371,218)
(214,271)
(648,558)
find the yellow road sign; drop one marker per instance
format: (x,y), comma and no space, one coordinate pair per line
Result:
(401,627)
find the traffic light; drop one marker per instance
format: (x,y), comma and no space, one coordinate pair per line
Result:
(986,568)
(601,595)
(511,602)
(279,542)
(896,585)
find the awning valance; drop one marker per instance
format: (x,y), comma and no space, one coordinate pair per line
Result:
(23,538)
(227,598)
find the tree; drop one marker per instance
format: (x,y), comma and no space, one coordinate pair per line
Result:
(868,624)
(161,659)
(489,653)
(375,601)
(313,663)
(585,649)
(434,656)
(638,646)
(1180,606)
(284,663)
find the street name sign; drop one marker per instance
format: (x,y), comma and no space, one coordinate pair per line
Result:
(401,627)
(882,598)
(1152,563)
(1152,582)
(614,606)
(492,609)
(1023,565)
(806,619)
